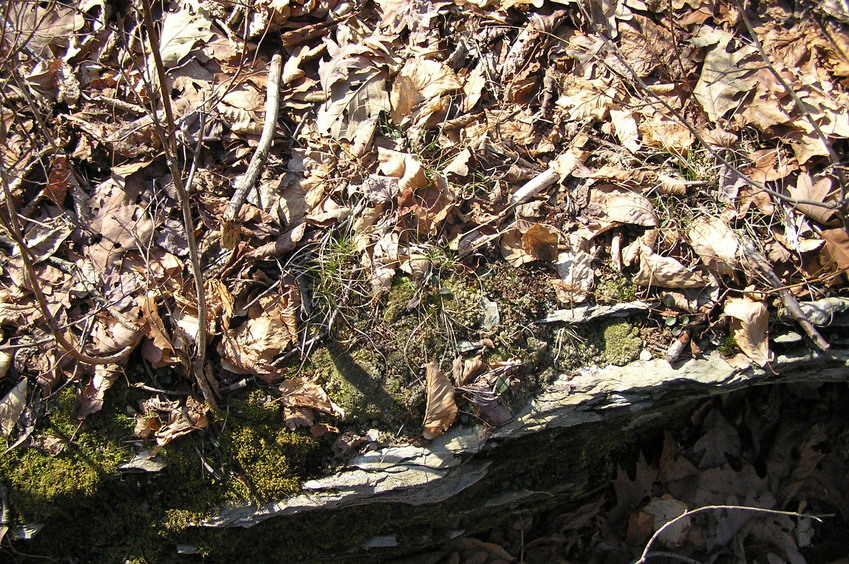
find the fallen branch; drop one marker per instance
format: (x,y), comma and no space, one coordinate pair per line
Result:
(756,264)
(230,228)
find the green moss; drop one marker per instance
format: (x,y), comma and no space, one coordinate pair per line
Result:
(728,347)
(622,343)
(399,297)
(616,289)
(362,385)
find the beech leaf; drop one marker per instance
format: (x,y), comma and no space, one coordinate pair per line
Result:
(441,408)
(748,322)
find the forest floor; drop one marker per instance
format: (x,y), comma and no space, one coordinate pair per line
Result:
(342,225)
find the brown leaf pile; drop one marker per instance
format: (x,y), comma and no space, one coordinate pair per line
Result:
(648,141)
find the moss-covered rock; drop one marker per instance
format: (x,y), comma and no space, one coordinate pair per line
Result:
(622,343)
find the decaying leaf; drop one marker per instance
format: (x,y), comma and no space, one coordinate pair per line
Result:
(302,393)
(420,80)
(528,243)
(836,249)
(271,329)
(748,323)
(613,205)
(715,243)
(665,272)
(722,78)
(577,279)
(814,190)
(182,420)
(441,408)
(12,406)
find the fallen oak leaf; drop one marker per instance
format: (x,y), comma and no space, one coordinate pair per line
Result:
(836,248)
(807,189)
(441,410)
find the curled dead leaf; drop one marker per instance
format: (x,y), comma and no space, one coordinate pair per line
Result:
(441,408)
(665,272)
(748,323)
(301,393)
(715,243)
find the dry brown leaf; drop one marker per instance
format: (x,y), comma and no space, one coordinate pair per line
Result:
(625,127)
(615,205)
(715,243)
(182,420)
(420,80)
(577,278)
(836,248)
(748,322)
(723,76)
(12,406)
(271,329)
(665,272)
(807,188)
(301,393)
(91,399)
(441,408)
(526,244)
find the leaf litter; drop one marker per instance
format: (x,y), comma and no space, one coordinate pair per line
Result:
(418,141)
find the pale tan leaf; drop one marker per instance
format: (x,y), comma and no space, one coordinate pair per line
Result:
(12,406)
(715,243)
(459,165)
(301,393)
(836,248)
(671,185)
(748,323)
(665,272)
(723,77)
(626,129)
(616,205)
(180,31)
(420,80)
(530,243)
(271,329)
(441,408)
(577,279)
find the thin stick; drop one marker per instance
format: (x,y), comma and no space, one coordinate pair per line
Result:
(660,531)
(231,228)
(757,263)
(66,342)
(169,146)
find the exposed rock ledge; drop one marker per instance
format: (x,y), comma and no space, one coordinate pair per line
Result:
(597,406)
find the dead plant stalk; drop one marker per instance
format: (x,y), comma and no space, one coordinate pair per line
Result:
(645,554)
(169,147)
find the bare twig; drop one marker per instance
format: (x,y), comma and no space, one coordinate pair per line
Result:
(756,264)
(66,341)
(169,146)
(230,229)
(645,555)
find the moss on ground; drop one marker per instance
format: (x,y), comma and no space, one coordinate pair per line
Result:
(373,371)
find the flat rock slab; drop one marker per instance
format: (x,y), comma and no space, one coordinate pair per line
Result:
(593,416)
